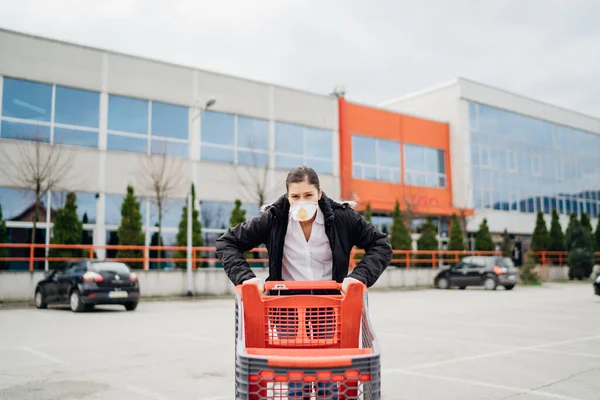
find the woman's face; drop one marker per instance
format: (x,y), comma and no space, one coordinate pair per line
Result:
(303,191)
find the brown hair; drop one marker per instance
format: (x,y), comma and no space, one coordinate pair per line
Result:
(300,174)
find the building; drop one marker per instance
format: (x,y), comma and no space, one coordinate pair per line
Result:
(109,111)
(513,156)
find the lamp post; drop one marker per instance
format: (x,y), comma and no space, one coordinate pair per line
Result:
(190,280)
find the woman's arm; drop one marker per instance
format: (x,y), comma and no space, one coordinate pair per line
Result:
(232,245)
(378,251)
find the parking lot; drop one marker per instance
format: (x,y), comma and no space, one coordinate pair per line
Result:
(529,343)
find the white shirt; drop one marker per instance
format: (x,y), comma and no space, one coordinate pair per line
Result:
(307,260)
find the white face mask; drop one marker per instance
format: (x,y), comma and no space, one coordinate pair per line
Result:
(303,210)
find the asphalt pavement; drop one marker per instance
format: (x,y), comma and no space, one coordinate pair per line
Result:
(529,343)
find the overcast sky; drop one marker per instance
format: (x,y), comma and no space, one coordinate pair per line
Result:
(379,49)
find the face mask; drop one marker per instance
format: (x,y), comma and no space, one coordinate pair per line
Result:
(303,210)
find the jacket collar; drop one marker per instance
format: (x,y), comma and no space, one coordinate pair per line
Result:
(280,208)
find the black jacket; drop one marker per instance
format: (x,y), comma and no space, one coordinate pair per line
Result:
(345,228)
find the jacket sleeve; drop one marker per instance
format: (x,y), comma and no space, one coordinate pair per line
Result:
(232,245)
(378,251)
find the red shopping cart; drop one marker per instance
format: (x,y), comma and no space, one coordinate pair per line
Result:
(306,345)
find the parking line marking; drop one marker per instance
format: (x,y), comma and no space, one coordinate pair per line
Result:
(517,390)
(145,392)
(41,354)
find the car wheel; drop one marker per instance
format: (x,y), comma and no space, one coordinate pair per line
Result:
(490,283)
(509,287)
(40,301)
(443,283)
(131,306)
(75,302)
(462,287)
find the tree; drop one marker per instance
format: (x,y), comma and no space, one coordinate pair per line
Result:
(238,215)
(597,234)
(253,173)
(399,235)
(586,224)
(483,237)
(540,237)
(197,240)
(67,229)
(130,231)
(572,223)
(456,242)
(38,167)
(556,240)
(428,240)
(581,254)
(528,275)
(367,213)
(161,178)
(507,244)
(3,239)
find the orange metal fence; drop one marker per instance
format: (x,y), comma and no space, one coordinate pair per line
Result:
(424,258)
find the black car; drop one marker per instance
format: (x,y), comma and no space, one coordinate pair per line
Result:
(597,286)
(84,284)
(487,271)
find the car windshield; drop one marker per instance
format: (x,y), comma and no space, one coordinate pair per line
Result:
(116,267)
(505,262)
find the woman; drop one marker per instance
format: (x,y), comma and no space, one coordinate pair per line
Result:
(308,237)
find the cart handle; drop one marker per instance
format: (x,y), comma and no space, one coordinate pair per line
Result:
(303,285)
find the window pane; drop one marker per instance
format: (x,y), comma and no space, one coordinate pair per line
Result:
(321,166)
(215,215)
(14,202)
(289,138)
(370,173)
(287,162)
(253,133)
(414,157)
(126,143)
(432,179)
(253,158)
(15,130)
(357,171)
(86,205)
(389,153)
(169,120)
(217,128)
(172,212)
(441,161)
(76,138)
(26,99)
(77,107)
(396,176)
(318,143)
(364,149)
(217,154)
(172,149)
(113,204)
(127,114)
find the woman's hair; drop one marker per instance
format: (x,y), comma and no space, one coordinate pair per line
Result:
(300,174)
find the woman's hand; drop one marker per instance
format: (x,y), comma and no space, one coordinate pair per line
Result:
(347,282)
(256,281)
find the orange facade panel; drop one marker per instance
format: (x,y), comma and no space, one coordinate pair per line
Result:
(377,123)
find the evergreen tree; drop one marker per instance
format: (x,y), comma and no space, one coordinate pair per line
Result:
(483,238)
(597,240)
(238,215)
(399,235)
(507,244)
(572,223)
(456,242)
(130,231)
(3,239)
(427,241)
(581,254)
(384,229)
(528,274)
(556,240)
(197,240)
(67,229)
(586,224)
(367,213)
(540,237)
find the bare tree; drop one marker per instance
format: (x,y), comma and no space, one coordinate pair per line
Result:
(160,178)
(36,166)
(254,178)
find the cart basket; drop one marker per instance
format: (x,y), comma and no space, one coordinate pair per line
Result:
(306,345)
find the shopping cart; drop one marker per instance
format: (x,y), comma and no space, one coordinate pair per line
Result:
(306,345)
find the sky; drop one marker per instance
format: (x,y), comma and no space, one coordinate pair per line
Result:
(378,49)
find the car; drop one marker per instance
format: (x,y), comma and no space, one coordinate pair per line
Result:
(86,283)
(487,271)
(597,286)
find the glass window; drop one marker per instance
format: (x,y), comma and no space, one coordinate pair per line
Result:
(215,215)
(217,154)
(15,201)
(218,128)
(287,162)
(321,166)
(318,143)
(172,212)
(86,205)
(289,138)
(253,158)
(126,143)
(26,100)
(253,133)
(388,153)
(77,107)
(113,204)
(127,114)
(16,130)
(414,158)
(364,149)
(76,138)
(473,123)
(169,120)
(172,149)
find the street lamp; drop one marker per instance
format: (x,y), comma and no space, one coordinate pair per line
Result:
(210,102)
